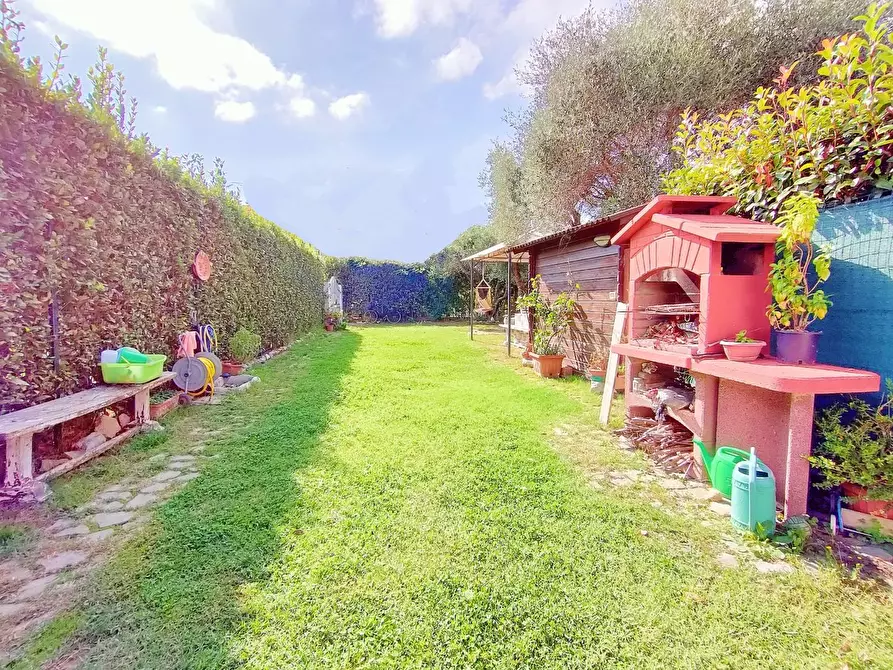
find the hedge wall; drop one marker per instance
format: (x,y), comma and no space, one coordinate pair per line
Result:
(112,232)
(396,291)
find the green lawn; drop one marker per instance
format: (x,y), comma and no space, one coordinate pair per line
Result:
(390,498)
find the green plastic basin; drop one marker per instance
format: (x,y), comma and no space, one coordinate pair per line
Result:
(133,373)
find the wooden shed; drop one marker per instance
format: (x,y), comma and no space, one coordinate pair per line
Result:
(582,262)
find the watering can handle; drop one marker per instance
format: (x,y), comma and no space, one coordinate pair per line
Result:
(752,480)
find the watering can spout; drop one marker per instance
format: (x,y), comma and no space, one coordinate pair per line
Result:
(705,455)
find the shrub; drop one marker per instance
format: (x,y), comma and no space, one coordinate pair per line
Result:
(244,345)
(552,318)
(833,139)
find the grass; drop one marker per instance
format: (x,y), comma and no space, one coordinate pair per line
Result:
(48,641)
(14,538)
(401,498)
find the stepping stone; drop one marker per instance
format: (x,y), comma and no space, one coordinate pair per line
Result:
(114,506)
(114,495)
(727,561)
(778,568)
(621,481)
(874,551)
(559,431)
(80,529)
(157,457)
(115,488)
(9,610)
(156,488)
(141,501)
(62,524)
(137,523)
(99,535)
(35,587)
(723,509)
(61,561)
(671,484)
(183,457)
(197,450)
(167,475)
(188,477)
(112,519)
(704,494)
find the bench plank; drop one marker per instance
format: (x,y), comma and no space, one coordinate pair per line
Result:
(32,419)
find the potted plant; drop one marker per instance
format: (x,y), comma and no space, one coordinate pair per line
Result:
(161,402)
(742,349)
(332,321)
(794,279)
(856,453)
(243,347)
(552,320)
(598,368)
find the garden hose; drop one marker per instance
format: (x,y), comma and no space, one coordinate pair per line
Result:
(194,375)
(207,338)
(209,379)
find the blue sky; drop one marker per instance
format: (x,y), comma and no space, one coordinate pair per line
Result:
(360,125)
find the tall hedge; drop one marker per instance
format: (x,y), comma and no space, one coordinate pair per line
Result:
(110,232)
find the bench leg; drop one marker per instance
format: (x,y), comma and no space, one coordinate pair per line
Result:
(141,407)
(18,460)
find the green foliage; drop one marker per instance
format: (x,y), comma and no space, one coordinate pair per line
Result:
(244,345)
(608,87)
(553,318)
(832,138)
(108,225)
(13,538)
(857,446)
(742,338)
(799,268)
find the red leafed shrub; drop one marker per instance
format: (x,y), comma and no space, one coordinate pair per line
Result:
(112,231)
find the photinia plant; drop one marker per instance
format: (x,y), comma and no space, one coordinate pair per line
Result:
(800,268)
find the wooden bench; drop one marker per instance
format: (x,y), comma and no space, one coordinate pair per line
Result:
(19,427)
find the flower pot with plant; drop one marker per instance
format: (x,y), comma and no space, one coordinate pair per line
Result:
(243,347)
(742,349)
(161,402)
(552,319)
(332,321)
(856,453)
(598,368)
(794,279)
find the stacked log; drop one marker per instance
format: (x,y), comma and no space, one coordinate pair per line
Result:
(667,442)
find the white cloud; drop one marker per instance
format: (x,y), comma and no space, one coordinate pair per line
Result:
(526,22)
(345,107)
(159,109)
(234,112)
(178,37)
(399,18)
(462,61)
(301,108)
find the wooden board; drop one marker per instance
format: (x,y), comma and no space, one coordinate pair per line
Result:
(859,521)
(60,470)
(45,415)
(613,364)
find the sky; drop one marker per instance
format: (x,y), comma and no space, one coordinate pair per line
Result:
(359,125)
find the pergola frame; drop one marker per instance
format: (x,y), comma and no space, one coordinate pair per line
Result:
(499,253)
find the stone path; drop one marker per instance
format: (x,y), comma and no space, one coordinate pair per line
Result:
(35,588)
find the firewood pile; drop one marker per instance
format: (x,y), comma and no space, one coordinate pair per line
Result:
(667,442)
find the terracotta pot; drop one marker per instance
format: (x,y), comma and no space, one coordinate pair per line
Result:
(620,384)
(598,373)
(158,410)
(232,368)
(547,366)
(330,327)
(742,352)
(881,508)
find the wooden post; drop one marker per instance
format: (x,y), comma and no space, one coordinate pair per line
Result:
(613,364)
(508,303)
(471,302)
(18,460)
(141,407)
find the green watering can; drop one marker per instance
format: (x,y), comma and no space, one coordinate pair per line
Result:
(753,498)
(721,465)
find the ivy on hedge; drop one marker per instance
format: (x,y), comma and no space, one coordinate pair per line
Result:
(111,231)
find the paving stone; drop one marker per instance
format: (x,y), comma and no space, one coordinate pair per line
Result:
(197,450)
(9,610)
(157,457)
(99,535)
(632,474)
(183,457)
(115,488)
(621,481)
(727,561)
(874,551)
(779,568)
(671,484)
(167,475)
(157,487)
(112,519)
(721,508)
(141,501)
(704,494)
(80,529)
(11,571)
(137,523)
(65,559)
(35,587)
(559,431)
(188,477)
(114,506)
(61,524)
(114,495)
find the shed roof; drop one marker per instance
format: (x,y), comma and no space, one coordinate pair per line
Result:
(498,253)
(720,228)
(618,217)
